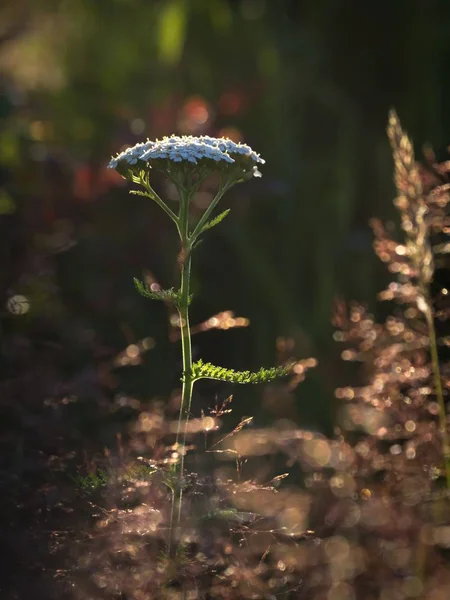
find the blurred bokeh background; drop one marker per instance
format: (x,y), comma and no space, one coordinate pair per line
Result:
(307,84)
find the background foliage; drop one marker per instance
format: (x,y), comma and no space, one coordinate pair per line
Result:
(307,84)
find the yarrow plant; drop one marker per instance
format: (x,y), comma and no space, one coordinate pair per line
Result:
(187,162)
(371,516)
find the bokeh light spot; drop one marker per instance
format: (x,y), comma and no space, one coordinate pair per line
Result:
(18,305)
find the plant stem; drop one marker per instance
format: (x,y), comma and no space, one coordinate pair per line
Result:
(187,242)
(159,201)
(439,392)
(188,384)
(186,393)
(198,228)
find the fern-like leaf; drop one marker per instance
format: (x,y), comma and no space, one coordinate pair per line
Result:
(140,193)
(201,370)
(171,296)
(215,221)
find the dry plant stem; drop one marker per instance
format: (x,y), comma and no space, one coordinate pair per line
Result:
(439,393)
(413,208)
(421,555)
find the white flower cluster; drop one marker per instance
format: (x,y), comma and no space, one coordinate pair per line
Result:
(130,155)
(186,148)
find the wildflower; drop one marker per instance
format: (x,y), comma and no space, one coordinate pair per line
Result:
(203,154)
(130,155)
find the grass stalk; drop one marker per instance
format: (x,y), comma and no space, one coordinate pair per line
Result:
(439,393)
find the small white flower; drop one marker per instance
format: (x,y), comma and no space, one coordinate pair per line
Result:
(193,150)
(230,147)
(130,155)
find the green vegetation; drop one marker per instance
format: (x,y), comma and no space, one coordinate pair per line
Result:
(336,488)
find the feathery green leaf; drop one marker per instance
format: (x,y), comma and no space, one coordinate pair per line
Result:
(141,193)
(201,370)
(172,296)
(215,221)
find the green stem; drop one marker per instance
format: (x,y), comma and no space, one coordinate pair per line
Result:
(188,383)
(187,242)
(159,201)
(206,215)
(439,393)
(164,206)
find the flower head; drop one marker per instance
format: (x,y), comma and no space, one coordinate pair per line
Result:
(203,153)
(130,155)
